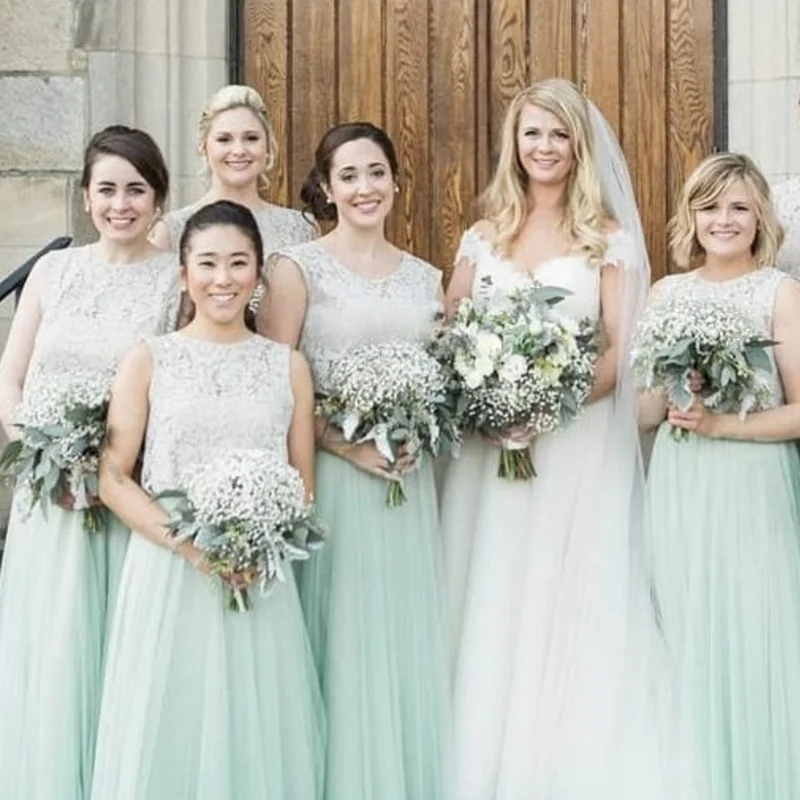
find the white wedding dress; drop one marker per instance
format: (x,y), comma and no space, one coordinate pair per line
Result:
(552,668)
(786,197)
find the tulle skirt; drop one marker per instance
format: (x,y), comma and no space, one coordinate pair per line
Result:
(372,600)
(202,703)
(723,541)
(56,590)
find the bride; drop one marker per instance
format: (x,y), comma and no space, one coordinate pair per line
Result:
(552,632)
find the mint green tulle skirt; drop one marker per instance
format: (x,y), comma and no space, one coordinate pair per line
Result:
(56,591)
(723,541)
(373,601)
(202,703)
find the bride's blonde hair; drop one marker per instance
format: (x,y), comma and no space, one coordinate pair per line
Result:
(505,201)
(235,96)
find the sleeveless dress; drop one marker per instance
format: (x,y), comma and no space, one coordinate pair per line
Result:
(549,701)
(786,197)
(372,596)
(58,582)
(723,539)
(201,703)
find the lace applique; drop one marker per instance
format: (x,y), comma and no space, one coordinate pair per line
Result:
(207,397)
(346,309)
(94,312)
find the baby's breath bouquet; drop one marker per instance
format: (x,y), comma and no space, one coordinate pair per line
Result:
(58,452)
(516,363)
(394,394)
(678,336)
(246,510)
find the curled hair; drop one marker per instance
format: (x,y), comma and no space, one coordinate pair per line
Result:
(138,148)
(235,96)
(505,201)
(225,212)
(313,194)
(709,180)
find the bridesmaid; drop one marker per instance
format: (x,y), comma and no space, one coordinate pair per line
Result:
(723,519)
(201,703)
(372,598)
(80,310)
(237,142)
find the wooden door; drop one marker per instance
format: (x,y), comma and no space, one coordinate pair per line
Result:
(438,75)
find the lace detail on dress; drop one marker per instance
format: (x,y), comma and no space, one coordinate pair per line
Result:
(346,309)
(754,293)
(206,397)
(786,197)
(93,312)
(280,227)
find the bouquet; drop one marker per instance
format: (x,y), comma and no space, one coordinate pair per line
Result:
(679,336)
(58,453)
(394,394)
(517,363)
(246,511)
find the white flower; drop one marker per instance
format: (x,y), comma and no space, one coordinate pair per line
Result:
(488,344)
(512,369)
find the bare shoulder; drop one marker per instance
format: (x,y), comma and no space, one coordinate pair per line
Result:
(611,226)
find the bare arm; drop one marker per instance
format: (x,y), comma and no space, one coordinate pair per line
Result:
(19,346)
(605,373)
(127,422)
(283,310)
(301,440)
(776,424)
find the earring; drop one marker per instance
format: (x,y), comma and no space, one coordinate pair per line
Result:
(396,189)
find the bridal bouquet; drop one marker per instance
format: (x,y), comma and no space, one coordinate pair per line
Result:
(246,511)
(678,336)
(393,394)
(517,363)
(61,436)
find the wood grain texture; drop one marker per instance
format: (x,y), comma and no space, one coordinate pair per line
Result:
(438,75)
(551,39)
(406,115)
(452,125)
(361,67)
(313,85)
(266,67)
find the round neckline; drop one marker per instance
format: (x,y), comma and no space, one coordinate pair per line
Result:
(101,262)
(211,343)
(727,281)
(350,271)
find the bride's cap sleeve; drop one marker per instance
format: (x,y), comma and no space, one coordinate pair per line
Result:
(469,247)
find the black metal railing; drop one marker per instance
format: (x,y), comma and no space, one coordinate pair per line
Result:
(14,281)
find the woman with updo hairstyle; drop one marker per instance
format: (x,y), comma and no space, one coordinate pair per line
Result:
(236,140)
(372,597)
(723,503)
(199,701)
(80,310)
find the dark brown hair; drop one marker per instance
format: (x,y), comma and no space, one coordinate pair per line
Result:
(137,148)
(313,192)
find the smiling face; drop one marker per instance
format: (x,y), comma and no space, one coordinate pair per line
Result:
(361,183)
(121,203)
(220,273)
(727,227)
(544,147)
(236,147)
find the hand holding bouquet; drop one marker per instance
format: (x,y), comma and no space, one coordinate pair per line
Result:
(58,452)
(393,394)
(246,511)
(682,341)
(517,364)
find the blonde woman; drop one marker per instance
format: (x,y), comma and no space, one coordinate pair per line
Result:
(723,520)
(236,140)
(539,575)
(786,196)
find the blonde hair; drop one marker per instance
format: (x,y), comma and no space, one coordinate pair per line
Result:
(505,201)
(707,182)
(234,96)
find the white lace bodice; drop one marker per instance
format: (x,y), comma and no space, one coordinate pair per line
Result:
(753,292)
(346,309)
(279,226)
(494,273)
(786,197)
(92,312)
(207,397)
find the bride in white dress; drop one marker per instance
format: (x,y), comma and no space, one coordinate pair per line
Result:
(552,629)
